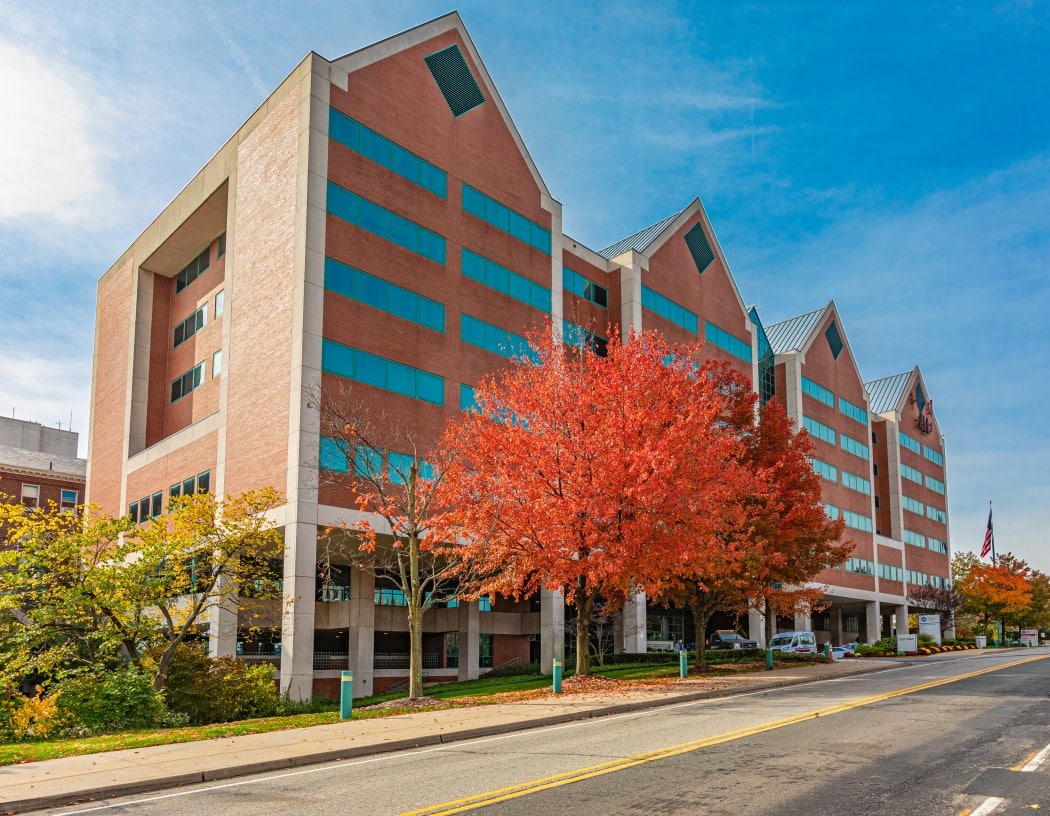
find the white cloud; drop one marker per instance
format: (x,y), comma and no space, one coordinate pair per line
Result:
(52,165)
(47,390)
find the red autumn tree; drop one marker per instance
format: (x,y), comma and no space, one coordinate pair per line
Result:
(579,472)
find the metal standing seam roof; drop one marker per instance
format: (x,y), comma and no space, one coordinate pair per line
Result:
(788,335)
(51,462)
(639,241)
(885,394)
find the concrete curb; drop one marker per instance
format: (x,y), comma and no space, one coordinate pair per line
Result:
(422,741)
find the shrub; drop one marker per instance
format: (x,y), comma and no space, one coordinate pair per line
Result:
(36,716)
(926,639)
(110,701)
(207,690)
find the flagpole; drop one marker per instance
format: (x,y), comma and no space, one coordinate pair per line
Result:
(995,562)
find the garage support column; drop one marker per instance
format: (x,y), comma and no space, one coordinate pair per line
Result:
(222,626)
(469,627)
(803,623)
(361,658)
(837,635)
(900,618)
(634,632)
(552,630)
(871,622)
(756,628)
(297,625)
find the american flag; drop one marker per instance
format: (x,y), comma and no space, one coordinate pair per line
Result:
(989,538)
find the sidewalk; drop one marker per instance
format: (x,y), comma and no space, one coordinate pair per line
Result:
(38,785)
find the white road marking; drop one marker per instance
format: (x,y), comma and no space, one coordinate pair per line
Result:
(1034,763)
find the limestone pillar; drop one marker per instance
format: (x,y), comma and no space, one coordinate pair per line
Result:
(872,622)
(297,627)
(469,641)
(361,632)
(634,639)
(552,630)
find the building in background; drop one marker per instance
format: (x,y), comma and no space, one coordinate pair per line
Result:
(379,221)
(39,465)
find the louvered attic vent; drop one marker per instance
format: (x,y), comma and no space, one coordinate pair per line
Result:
(834,340)
(455,80)
(699,248)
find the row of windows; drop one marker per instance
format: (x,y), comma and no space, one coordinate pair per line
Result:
(506,281)
(917,578)
(383,295)
(832,511)
(936,485)
(190,326)
(914,505)
(194,269)
(578,285)
(201,483)
(818,392)
(891,572)
(819,430)
(936,545)
(915,539)
(493,338)
(390,596)
(857,521)
(370,369)
(934,456)
(854,446)
(855,482)
(383,151)
(467,401)
(910,473)
(822,468)
(911,444)
(187,383)
(369,462)
(861,566)
(669,310)
(361,212)
(503,217)
(936,514)
(724,340)
(578,337)
(854,412)
(150,507)
(146,508)
(67,498)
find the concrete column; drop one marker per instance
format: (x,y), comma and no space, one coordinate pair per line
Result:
(361,632)
(469,641)
(803,622)
(552,630)
(297,627)
(222,627)
(837,635)
(756,628)
(872,622)
(634,629)
(900,615)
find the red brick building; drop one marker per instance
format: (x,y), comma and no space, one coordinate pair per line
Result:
(39,465)
(377,221)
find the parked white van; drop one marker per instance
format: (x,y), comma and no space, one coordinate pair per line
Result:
(794,642)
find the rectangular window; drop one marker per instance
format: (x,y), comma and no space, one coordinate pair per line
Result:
(936,485)
(854,412)
(580,338)
(368,462)
(915,539)
(857,521)
(371,369)
(669,310)
(578,285)
(501,216)
(332,455)
(493,338)
(361,212)
(485,651)
(504,280)
(855,446)
(936,545)
(466,398)
(220,302)
(832,511)
(190,326)
(860,566)
(68,501)
(819,430)
(221,245)
(818,392)
(155,506)
(934,456)
(911,474)
(855,482)
(936,514)
(728,342)
(380,294)
(31,495)
(829,472)
(193,270)
(383,151)
(913,505)
(216,364)
(910,443)
(188,382)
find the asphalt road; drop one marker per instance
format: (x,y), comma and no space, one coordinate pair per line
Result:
(939,737)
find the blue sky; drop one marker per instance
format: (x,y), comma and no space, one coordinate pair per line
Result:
(892,156)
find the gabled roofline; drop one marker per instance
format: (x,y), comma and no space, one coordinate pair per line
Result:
(397,43)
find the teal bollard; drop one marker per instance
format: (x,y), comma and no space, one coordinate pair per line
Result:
(683,664)
(827,650)
(556,675)
(769,659)
(346,695)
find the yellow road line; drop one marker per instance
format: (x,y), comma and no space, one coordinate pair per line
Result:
(493,797)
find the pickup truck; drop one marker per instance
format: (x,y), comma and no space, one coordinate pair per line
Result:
(729,640)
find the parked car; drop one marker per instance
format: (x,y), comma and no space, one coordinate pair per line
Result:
(728,639)
(848,647)
(839,652)
(794,642)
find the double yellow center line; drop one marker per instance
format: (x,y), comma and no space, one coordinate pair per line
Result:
(547,783)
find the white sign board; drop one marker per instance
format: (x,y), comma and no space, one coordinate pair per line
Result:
(1029,637)
(907,643)
(931,625)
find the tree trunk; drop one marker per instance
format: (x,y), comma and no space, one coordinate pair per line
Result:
(415,648)
(701,617)
(584,609)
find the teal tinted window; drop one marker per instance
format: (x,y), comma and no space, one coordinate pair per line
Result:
(913,505)
(193,270)
(578,285)
(858,522)
(455,80)
(854,446)
(400,467)
(506,281)
(767,381)
(501,216)
(187,383)
(818,392)
(822,468)
(669,310)
(920,397)
(190,326)
(933,456)
(578,337)
(936,514)
(915,539)
(910,443)
(381,150)
(699,248)
(371,369)
(493,338)
(854,412)
(911,474)
(728,342)
(936,545)
(855,482)
(834,339)
(370,217)
(936,485)
(860,566)
(380,294)
(368,462)
(333,455)
(466,398)
(819,430)
(832,511)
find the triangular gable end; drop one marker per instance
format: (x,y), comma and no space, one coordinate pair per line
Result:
(816,330)
(427,31)
(916,396)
